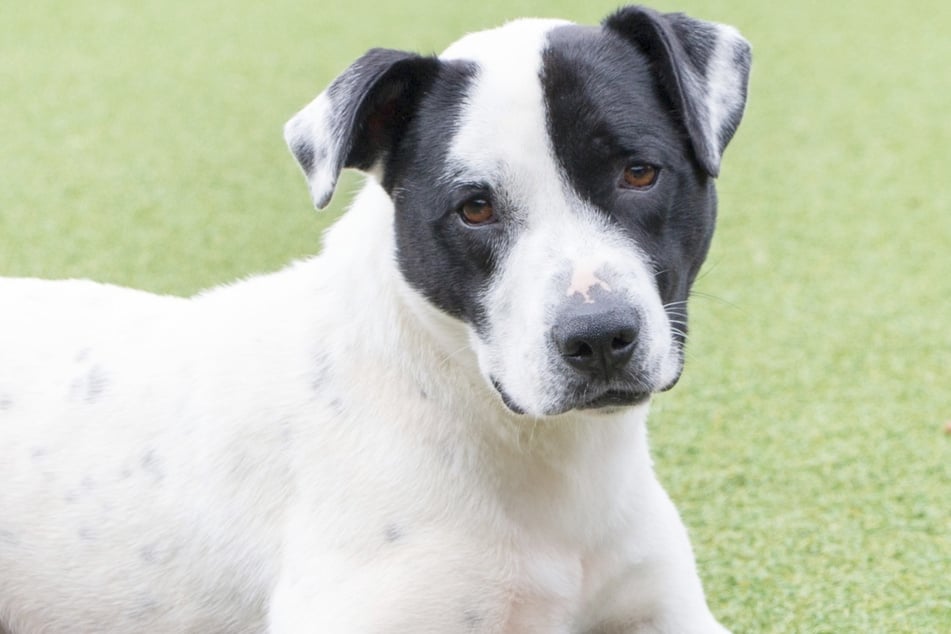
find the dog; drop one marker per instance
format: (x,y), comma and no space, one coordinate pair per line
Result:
(435,425)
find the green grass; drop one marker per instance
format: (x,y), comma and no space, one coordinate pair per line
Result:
(140,144)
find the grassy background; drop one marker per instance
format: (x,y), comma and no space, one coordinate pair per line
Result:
(140,144)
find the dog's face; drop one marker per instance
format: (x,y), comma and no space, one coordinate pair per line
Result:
(553,189)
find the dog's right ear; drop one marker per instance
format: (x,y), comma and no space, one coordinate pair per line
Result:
(359,118)
(703,66)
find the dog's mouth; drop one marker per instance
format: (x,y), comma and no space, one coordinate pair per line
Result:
(615,399)
(506,399)
(611,399)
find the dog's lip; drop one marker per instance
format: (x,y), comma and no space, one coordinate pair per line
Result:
(609,399)
(615,398)
(506,399)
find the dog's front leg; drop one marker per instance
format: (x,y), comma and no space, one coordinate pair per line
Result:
(683,610)
(665,599)
(658,590)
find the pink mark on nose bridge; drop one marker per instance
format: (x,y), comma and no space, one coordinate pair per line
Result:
(582,281)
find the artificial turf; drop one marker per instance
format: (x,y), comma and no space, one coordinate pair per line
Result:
(140,143)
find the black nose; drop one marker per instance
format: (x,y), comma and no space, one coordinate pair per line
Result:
(598,344)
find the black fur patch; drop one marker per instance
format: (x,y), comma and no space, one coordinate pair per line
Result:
(389,84)
(447,261)
(607,109)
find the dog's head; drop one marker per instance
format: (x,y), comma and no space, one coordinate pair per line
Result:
(553,189)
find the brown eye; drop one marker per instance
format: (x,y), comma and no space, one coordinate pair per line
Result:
(477,212)
(640,176)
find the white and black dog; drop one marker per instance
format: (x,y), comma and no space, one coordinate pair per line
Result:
(438,424)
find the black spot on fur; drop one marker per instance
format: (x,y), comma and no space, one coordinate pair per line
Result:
(147,553)
(392,533)
(8,537)
(87,534)
(152,465)
(156,553)
(90,386)
(320,372)
(472,619)
(96,383)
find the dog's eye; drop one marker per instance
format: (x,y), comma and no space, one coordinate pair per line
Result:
(639,176)
(477,211)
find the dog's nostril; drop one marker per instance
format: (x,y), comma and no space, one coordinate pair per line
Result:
(579,349)
(623,339)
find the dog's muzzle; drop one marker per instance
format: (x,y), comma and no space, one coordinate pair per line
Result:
(597,358)
(598,342)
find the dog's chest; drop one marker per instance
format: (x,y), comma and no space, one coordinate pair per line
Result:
(533,587)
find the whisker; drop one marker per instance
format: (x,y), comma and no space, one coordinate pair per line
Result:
(680,334)
(726,302)
(448,357)
(709,268)
(531,434)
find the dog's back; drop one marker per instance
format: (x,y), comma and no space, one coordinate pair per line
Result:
(110,502)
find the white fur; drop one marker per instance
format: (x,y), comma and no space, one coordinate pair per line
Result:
(317,450)
(724,85)
(311,126)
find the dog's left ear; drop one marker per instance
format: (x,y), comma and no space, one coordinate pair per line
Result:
(704,67)
(359,118)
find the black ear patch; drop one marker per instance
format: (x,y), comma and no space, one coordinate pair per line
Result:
(703,67)
(359,118)
(376,104)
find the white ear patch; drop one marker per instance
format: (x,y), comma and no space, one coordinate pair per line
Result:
(726,78)
(718,92)
(309,135)
(354,122)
